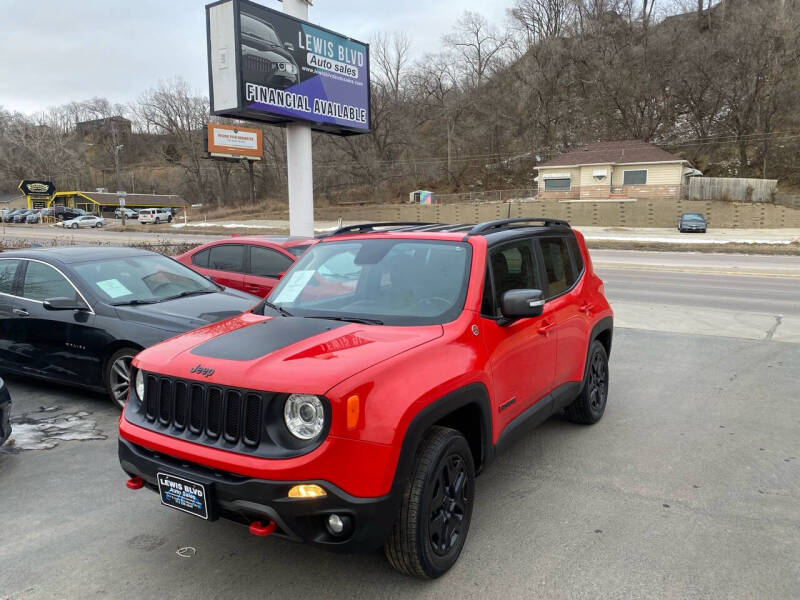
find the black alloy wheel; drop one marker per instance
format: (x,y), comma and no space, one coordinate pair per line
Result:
(589,406)
(436,510)
(448,500)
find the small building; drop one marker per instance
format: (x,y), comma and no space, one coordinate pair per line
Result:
(613,171)
(120,127)
(43,194)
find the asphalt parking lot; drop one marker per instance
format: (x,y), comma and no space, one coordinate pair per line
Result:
(688,488)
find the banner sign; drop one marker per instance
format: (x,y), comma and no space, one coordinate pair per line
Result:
(230,141)
(267,66)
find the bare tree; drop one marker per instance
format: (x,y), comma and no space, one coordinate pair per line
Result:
(478,45)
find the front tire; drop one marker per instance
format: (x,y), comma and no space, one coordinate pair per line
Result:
(74,226)
(118,375)
(589,406)
(435,513)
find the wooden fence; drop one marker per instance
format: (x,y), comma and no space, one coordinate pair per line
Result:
(732,189)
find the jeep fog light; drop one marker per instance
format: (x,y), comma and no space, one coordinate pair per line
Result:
(304,416)
(307,490)
(139,384)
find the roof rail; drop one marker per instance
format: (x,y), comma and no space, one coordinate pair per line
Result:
(500,224)
(369,227)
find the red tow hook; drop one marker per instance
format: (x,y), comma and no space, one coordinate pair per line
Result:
(256,528)
(135,483)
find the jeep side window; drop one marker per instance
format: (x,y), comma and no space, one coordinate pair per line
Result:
(577,258)
(558,265)
(512,268)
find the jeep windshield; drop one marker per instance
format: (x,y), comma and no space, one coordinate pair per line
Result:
(145,279)
(379,281)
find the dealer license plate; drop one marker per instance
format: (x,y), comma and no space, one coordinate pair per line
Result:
(185,495)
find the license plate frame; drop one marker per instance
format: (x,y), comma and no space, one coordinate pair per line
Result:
(188,496)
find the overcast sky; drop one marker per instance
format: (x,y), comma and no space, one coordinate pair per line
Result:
(56,51)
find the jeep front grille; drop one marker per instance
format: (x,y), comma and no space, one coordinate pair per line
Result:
(203,413)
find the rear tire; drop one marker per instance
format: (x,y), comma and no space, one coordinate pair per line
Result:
(433,520)
(589,406)
(157,221)
(118,375)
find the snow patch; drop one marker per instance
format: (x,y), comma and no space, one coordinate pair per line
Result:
(43,431)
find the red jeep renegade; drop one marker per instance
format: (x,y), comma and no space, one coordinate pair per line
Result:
(354,407)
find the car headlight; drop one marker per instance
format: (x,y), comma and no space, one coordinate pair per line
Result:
(139,384)
(304,416)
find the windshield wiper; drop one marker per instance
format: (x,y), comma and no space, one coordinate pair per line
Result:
(363,320)
(185,294)
(135,302)
(277,308)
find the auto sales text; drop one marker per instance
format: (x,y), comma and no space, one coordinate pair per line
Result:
(299,102)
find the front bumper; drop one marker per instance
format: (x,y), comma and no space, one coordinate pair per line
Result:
(245,500)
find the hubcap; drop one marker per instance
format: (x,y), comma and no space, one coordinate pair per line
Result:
(598,382)
(120,379)
(450,496)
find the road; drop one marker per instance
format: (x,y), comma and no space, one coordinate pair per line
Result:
(688,487)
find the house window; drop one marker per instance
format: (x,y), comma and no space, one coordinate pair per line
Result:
(557,185)
(638,177)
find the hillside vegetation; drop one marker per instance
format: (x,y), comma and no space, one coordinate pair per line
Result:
(716,85)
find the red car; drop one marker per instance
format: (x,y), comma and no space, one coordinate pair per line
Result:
(359,417)
(252,264)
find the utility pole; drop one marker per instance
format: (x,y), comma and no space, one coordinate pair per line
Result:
(298,156)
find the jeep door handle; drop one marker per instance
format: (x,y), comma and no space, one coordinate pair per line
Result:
(587,307)
(545,328)
(20,312)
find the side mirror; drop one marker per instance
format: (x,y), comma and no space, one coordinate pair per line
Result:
(63,304)
(519,304)
(289,46)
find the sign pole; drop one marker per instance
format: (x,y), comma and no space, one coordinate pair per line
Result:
(298,157)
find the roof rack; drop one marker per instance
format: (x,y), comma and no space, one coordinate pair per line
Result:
(369,227)
(500,224)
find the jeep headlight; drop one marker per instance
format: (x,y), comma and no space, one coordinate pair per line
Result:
(138,382)
(304,416)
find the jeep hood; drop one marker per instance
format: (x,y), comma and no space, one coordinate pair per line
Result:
(281,354)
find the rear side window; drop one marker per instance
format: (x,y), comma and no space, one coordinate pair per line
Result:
(577,257)
(265,262)
(201,258)
(227,257)
(558,265)
(297,250)
(8,270)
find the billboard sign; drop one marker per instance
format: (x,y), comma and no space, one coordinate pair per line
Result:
(231,141)
(267,66)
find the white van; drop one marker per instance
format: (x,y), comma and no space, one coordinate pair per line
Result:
(155,215)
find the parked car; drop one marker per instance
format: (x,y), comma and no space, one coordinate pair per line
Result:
(359,417)
(67,213)
(692,223)
(34,215)
(155,215)
(83,222)
(252,264)
(129,213)
(77,315)
(22,216)
(5,412)
(9,216)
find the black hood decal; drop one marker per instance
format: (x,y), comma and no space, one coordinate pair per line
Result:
(255,341)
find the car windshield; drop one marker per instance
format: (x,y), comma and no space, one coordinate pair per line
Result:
(261,31)
(396,282)
(297,250)
(142,279)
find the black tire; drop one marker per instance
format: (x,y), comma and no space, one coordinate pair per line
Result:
(589,406)
(74,226)
(157,221)
(441,489)
(169,219)
(116,363)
